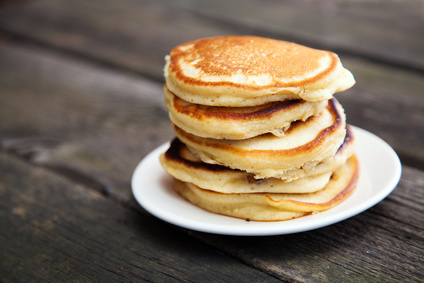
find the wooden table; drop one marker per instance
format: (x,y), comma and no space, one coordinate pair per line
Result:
(81,104)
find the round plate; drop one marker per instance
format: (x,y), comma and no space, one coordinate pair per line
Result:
(380,171)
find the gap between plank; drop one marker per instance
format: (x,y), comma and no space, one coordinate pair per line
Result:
(30,41)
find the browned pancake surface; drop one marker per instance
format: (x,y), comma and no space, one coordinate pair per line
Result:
(238,71)
(176,153)
(290,157)
(281,61)
(242,113)
(238,122)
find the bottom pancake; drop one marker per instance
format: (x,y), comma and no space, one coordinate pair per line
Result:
(275,207)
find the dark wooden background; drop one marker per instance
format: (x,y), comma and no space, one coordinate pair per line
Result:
(81,104)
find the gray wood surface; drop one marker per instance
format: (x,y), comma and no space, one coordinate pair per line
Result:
(81,104)
(123,30)
(53,229)
(85,121)
(383,244)
(387,99)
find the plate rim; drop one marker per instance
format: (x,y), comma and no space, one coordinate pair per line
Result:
(268,228)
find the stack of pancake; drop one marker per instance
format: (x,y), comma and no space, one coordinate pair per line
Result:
(259,134)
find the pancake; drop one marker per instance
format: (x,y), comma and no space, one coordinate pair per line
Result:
(290,157)
(275,207)
(183,165)
(238,122)
(241,71)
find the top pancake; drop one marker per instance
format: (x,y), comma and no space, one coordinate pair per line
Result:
(239,71)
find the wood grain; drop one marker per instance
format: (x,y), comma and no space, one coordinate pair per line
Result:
(52,229)
(389,103)
(84,121)
(81,104)
(392,34)
(96,124)
(121,33)
(88,125)
(387,100)
(383,244)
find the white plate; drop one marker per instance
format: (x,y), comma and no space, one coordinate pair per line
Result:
(380,173)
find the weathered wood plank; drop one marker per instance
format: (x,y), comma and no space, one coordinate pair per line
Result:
(53,230)
(137,34)
(72,119)
(389,103)
(121,34)
(390,32)
(117,35)
(383,244)
(86,122)
(77,118)
(96,118)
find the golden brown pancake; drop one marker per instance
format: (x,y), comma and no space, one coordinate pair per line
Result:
(275,207)
(183,165)
(290,157)
(238,122)
(241,71)
(259,134)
